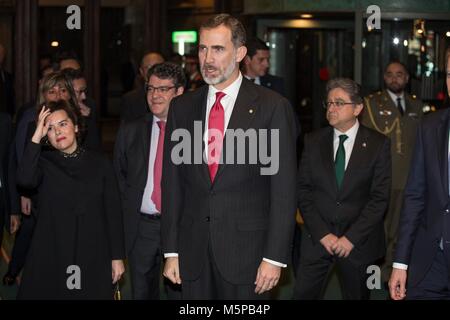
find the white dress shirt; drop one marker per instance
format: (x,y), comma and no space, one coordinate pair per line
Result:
(394,98)
(231,93)
(147,205)
(348,144)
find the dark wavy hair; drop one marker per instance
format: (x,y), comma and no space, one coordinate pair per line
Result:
(72,112)
(255,44)
(168,71)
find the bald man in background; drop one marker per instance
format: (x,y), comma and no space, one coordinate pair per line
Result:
(134,103)
(69,63)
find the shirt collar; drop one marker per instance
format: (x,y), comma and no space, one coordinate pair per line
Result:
(232,90)
(249,78)
(351,133)
(156,119)
(394,96)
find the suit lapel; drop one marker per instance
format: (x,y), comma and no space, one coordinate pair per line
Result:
(357,156)
(200,115)
(327,151)
(244,110)
(442,132)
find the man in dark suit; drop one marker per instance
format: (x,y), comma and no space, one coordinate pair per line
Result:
(134,103)
(343,192)
(138,163)
(227,225)
(256,66)
(6,86)
(422,256)
(8,205)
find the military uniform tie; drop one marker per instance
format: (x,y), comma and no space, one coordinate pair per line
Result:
(399,106)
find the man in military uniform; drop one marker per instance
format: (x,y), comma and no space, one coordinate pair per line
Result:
(396,114)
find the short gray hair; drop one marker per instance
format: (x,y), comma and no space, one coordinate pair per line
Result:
(352,88)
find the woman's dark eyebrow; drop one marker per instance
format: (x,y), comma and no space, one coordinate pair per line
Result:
(51,125)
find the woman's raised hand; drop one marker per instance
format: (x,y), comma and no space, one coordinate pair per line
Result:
(41,127)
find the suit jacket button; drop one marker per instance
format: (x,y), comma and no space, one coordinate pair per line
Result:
(207,219)
(338,203)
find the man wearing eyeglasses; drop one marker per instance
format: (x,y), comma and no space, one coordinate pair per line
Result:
(396,114)
(138,164)
(343,191)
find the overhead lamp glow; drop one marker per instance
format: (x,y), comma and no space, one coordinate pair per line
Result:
(396,41)
(363,43)
(54,44)
(405,43)
(306,16)
(447,34)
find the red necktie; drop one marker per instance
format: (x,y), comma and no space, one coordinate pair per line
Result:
(215,126)
(157,167)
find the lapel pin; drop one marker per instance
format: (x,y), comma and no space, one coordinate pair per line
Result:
(364,145)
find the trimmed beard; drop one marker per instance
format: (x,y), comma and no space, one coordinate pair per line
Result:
(223,77)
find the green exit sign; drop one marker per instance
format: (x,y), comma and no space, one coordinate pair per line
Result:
(184,36)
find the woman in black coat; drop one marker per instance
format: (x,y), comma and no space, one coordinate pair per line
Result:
(77,249)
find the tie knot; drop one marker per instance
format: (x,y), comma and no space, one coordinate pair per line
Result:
(342,138)
(219,96)
(161,125)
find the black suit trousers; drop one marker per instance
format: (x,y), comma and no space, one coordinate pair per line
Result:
(436,283)
(145,264)
(212,286)
(313,272)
